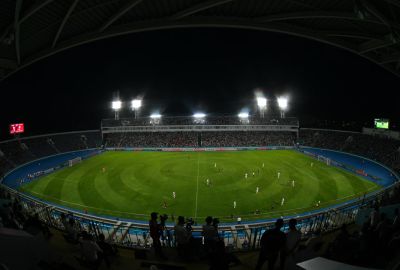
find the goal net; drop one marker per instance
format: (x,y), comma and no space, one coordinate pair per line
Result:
(74,161)
(325,160)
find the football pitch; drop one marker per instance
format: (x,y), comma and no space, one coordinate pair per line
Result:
(134,184)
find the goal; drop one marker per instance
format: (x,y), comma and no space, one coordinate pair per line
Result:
(74,161)
(325,159)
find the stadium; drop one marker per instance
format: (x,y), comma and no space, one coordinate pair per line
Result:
(247,170)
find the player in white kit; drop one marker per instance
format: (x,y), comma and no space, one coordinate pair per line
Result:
(174,194)
(245,175)
(234,204)
(279,175)
(283,201)
(257,189)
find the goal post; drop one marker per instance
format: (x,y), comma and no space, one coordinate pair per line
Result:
(74,161)
(324,159)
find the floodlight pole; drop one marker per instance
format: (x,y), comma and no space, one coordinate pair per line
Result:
(116,115)
(282,114)
(262,112)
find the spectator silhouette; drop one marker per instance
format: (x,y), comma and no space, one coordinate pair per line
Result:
(209,233)
(108,250)
(293,238)
(272,245)
(182,237)
(91,252)
(155,230)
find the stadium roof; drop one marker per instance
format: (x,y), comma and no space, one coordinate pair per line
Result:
(31,30)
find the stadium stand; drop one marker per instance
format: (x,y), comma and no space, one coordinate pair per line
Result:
(384,150)
(247,138)
(151,139)
(375,244)
(23,150)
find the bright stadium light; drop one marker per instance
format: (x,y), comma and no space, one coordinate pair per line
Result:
(116,105)
(135,105)
(243,115)
(155,116)
(155,119)
(261,102)
(283,104)
(199,115)
(199,118)
(262,105)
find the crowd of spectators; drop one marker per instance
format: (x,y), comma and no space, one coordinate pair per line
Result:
(94,248)
(13,215)
(247,138)
(23,150)
(375,244)
(151,139)
(197,139)
(188,247)
(384,150)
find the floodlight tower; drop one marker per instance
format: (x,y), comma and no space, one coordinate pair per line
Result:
(116,106)
(135,106)
(243,117)
(283,104)
(199,118)
(262,105)
(155,118)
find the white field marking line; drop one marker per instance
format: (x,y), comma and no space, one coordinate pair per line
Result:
(197,188)
(73,203)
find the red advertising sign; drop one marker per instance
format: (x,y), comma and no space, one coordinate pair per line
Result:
(17,128)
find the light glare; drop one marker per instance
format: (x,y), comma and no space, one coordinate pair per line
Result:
(243,115)
(136,104)
(282,103)
(116,105)
(155,116)
(262,102)
(199,115)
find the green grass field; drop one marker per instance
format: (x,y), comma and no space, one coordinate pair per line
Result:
(133,184)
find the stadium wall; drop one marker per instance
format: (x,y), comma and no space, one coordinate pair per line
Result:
(368,168)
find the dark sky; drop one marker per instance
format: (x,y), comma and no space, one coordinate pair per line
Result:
(183,70)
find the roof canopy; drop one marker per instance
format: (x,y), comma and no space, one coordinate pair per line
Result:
(31,30)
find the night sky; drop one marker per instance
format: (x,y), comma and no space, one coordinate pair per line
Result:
(180,71)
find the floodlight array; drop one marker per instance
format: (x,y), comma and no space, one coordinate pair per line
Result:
(199,115)
(116,105)
(136,104)
(261,102)
(243,115)
(155,116)
(282,103)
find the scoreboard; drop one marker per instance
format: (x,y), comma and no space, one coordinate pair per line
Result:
(381,123)
(17,128)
